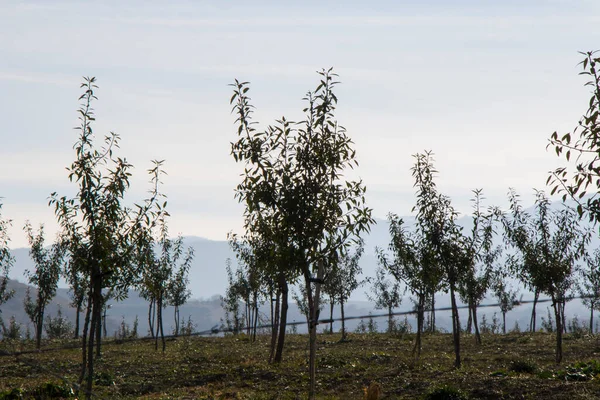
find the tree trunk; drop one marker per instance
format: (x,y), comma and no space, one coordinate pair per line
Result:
(282,320)
(562,313)
(455,327)
(559,330)
(99,334)
(248,317)
(432,312)
(96,315)
(504,322)
(470,319)
(536,295)
(274,324)
(159,324)
(255,327)
(151,317)
(77,312)
(343,319)
(176,317)
(420,321)
(476,324)
(331,304)
(38,329)
(84,337)
(162,333)
(592,319)
(390,320)
(313,307)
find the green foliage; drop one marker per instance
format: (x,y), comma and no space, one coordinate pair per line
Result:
(523,366)
(13,331)
(445,392)
(575,328)
(58,327)
(385,293)
(583,146)
(164,269)
(48,264)
(13,394)
(102,234)
(580,371)
(548,244)
(548,322)
(104,378)
(234,321)
(6,260)
(371,325)
(298,203)
(51,390)
(188,327)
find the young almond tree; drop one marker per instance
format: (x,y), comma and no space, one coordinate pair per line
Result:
(162,262)
(342,280)
(385,294)
(253,281)
(105,231)
(412,263)
(178,292)
(295,193)
(548,246)
(589,284)
(48,265)
(6,261)
(482,256)
(436,219)
(507,297)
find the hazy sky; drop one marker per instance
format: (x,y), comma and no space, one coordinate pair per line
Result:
(482,84)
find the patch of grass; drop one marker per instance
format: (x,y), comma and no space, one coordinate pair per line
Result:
(523,366)
(445,392)
(230,367)
(580,371)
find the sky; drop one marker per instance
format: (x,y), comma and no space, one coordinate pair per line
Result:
(482,84)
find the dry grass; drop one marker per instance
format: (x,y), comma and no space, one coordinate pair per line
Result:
(514,366)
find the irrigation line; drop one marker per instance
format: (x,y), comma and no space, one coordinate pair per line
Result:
(216,330)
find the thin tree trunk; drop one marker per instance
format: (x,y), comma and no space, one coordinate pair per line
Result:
(559,331)
(248,317)
(162,333)
(592,319)
(96,315)
(343,319)
(470,319)
(432,312)
(176,317)
(476,324)
(390,320)
(504,322)
(255,327)
(562,312)
(282,321)
(275,324)
(84,337)
(313,306)
(331,304)
(420,321)
(151,317)
(38,329)
(77,312)
(98,334)
(536,295)
(455,327)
